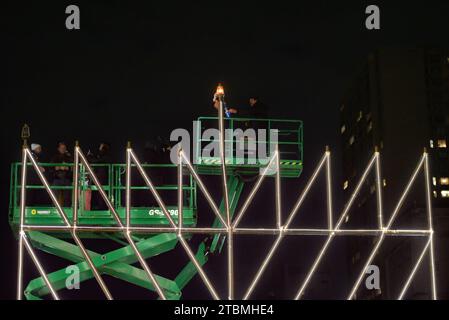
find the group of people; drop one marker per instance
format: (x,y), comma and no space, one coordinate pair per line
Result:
(60,172)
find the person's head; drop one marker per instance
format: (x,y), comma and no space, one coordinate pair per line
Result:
(36,148)
(253,100)
(104,147)
(62,147)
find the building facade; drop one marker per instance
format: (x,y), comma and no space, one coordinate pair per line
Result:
(399,102)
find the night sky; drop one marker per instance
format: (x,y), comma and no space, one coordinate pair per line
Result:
(136,70)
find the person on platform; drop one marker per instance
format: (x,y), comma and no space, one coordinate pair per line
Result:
(62,174)
(101,157)
(37,197)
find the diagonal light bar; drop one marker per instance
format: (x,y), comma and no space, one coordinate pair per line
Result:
(64,217)
(323,250)
(39,266)
(183,242)
(254,190)
(415,268)
(275,245)
(390,222)
(230,228)
(178,229)
(127,233)
(204,190)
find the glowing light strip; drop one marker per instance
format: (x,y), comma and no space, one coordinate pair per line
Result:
(415,268)
(64,217)
(323,250)
(203,189)
(127,233)
(330,212)
(390,222)
(275,245)
(39,266)
(230,228)
(253,192)
(430,225)
(379,191)
(22,221)
(226,203)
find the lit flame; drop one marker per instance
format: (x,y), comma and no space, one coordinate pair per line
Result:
(220,90)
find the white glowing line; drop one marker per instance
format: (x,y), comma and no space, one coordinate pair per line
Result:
(201,272)
(39,267)
(126,233)
(63,215)
(390,222)
(278,190)
(22,220)
(204,190)
(379,192)
(253,192)
(290,218)
(305,192)
(329,240)
(329,192)
(412,274)
(128,188)
(429,217)
(231,228)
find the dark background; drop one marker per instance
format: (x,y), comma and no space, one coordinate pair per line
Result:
(140,69)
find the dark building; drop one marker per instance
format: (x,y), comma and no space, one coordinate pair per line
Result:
(400,103)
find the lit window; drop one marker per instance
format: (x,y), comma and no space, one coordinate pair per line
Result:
(384,182)
(445,193)
(435,194)
(441,143)
(343,129)
(431,143)
(444,181)
(434,181)
(345,185)
(360,116)
(351,140)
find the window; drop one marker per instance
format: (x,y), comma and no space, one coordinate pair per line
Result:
(431,143)
(444,181)
(351,140)
(441,143)
(435,194)
(345,185)
(370,126)
(445,193)
(434,181)
(343,129)
(384,182)
(360,116)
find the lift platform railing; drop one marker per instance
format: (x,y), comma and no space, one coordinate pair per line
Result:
(41,211)
(289,142)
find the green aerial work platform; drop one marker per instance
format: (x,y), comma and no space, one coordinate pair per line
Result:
(119,263)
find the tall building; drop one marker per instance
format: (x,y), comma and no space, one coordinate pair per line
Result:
(399,102)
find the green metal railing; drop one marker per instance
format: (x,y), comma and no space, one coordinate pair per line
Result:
(289,144)
(44,213)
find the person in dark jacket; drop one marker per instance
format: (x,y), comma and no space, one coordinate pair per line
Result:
(103,158)
(62,174)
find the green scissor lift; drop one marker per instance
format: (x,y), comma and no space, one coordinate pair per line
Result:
(119,263)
